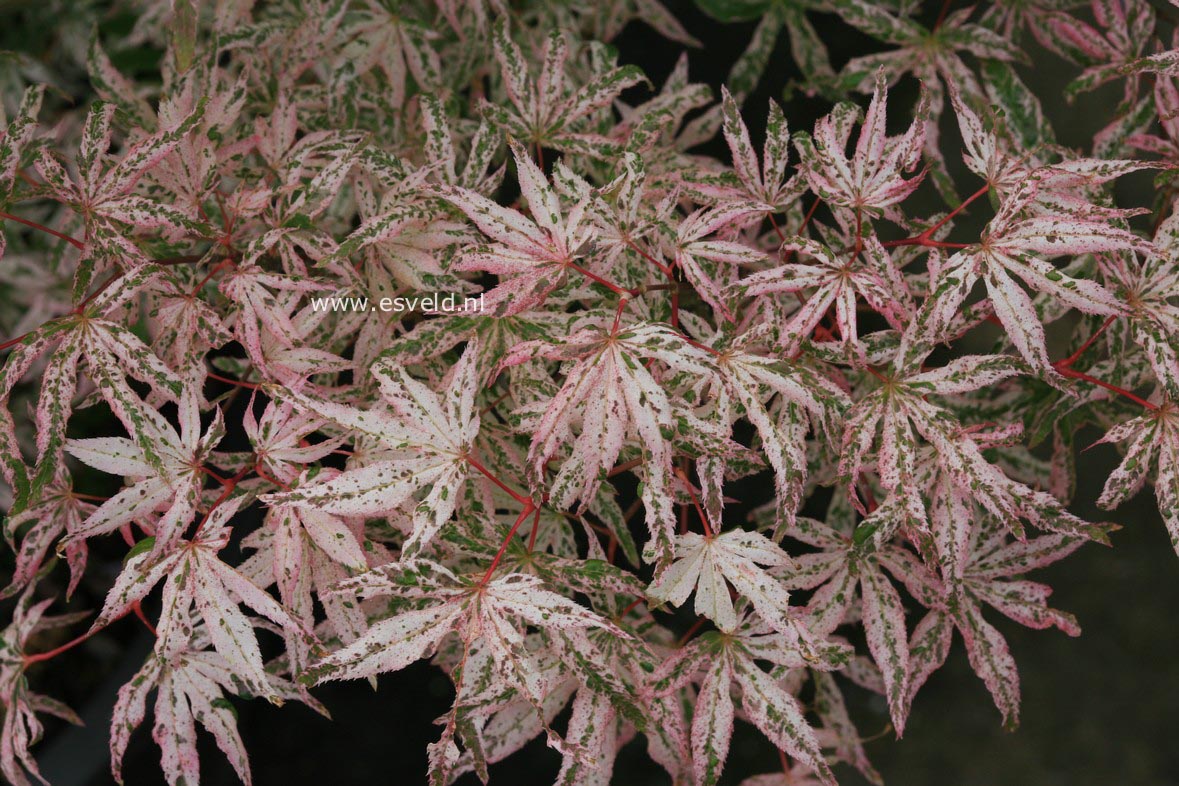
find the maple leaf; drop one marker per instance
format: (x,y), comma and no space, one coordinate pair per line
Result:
(900,405)
(13,140)
(426,437)
(195,579)
(170,475)
(548,110)
(807,49)
(610,18)
(265,301)
(279,439)
(871,179)
(113,352)
(705,563)
(488,617)
(440,146)
(303,550)
(58,512)
(530,255)
(1148,289)
(103,194)
(1107,55)
(190,684)
(931,55)
(709,264)
(183,327)
(615,396)
(994,149)
(21,727)
(396,44)
(660,131)
(1011,245)
(845,561)
(808,399)
(731,659)
(1154,440)
(401,233)
(291,364)
(924,52)
(835,282)
(1166,96)
(980,566)
(766,184)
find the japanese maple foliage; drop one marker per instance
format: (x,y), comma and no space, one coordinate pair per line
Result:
(538,497)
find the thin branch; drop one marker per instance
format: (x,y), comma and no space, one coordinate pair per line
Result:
(528,510)
(73,241)
(1068,361)
(474,462)
(1068,372)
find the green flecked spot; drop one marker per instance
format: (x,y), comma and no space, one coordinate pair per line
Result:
(299,221)
(864,532)
(147,544)
(594,567)
(224,704)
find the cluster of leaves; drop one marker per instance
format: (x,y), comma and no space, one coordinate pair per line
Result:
(525,495)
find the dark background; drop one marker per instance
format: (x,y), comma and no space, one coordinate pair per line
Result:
(1099,710)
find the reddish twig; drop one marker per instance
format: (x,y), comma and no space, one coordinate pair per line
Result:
(237,382)
(708,533)
(474,462)
(535,529)
(690,632)
(926,237)
(528,510)
(617,290)
(1072,373)
(73,241)
(137,607)
(1068,361)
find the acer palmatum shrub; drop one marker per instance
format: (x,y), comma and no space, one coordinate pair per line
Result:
(205,384)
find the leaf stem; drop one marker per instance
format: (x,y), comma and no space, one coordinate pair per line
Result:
(12,342)
(1068,372)
(230,484)
(269,478)
(630,607)
(921,241)
(617,290)
(73,241)
(708,532)
(474,462)
(535,529)
(69,645)
(665,269)
(208,277)
(103,287)
(623,467)
(926,237)
(137,607)
(618,316)
(962,206)
(237,382)
(690,632)
(941,17)
(777,229)
(529,508)
(1068,361)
